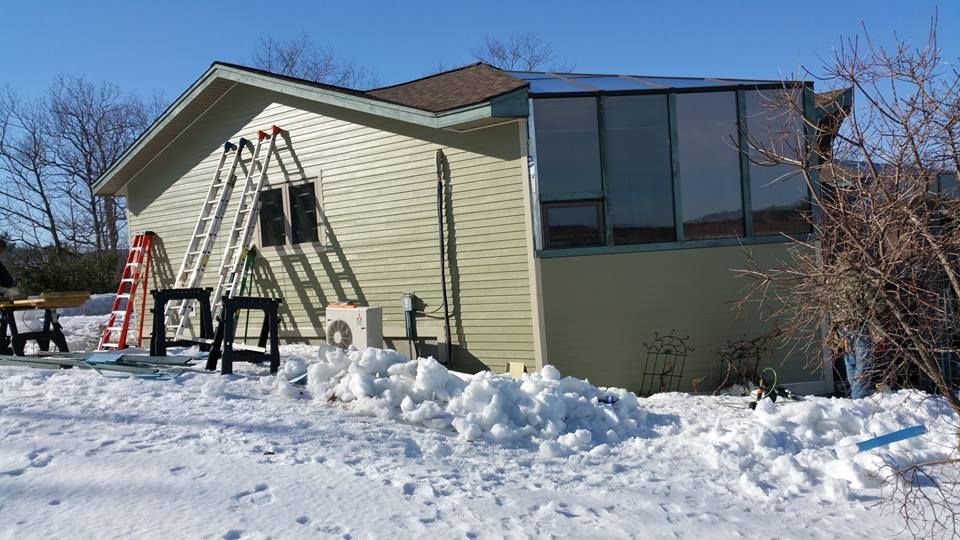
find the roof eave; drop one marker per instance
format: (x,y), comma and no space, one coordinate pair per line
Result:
(112,182)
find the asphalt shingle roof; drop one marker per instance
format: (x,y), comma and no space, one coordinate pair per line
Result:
(450,90)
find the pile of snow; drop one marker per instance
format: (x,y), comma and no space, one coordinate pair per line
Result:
(81,325)
(98,304)
(789,448)
(558,415)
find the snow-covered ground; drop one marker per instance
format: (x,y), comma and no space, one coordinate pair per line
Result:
(375,446)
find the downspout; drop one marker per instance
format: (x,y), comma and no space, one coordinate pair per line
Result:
(443,260)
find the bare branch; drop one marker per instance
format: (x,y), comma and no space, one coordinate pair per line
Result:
(300,57)
(519,52)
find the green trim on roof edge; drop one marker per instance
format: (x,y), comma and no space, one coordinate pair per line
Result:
(506,106)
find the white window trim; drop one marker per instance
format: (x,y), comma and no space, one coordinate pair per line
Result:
(288,245)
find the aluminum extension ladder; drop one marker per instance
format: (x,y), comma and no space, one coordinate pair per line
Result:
(205,233)
(136,271)
(231,273)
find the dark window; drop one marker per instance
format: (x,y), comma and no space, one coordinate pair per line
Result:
(949,185)
(778,191)
(638,169)
(303,214)
(272,232)
(568,225)
(709,165)
(568,146)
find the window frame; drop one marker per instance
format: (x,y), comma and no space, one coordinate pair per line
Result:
(288,244)
(598,204)
(539,200)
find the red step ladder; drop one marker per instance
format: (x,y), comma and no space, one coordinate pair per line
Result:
(135,273)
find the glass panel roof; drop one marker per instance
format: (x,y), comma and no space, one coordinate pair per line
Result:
(683,82)
(549,86)
(548,83)
(616,83)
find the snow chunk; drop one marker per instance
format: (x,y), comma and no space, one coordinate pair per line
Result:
(215,387)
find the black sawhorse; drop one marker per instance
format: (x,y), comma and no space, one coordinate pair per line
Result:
(16,341)
(158,339)
(227,329)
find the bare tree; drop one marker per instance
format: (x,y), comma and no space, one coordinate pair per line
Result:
(31,190)
(885,252)
(300,57)
(93,124)
(519,52)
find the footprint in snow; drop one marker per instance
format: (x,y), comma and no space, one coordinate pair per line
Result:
(303,520)
(103,444)
(15,466)
(39,458)
(259,496)
(334,530)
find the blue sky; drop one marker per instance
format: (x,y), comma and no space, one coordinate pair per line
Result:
(163,46)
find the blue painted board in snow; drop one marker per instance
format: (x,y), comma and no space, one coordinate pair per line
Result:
(891,438)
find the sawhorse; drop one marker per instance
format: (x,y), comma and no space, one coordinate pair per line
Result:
(16,341)
(158,338)
(226,333)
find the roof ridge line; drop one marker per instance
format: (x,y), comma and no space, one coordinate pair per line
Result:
(425,77)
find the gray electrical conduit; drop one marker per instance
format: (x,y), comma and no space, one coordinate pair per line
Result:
(443,257)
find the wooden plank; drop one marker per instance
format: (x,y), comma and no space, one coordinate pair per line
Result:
(49,301)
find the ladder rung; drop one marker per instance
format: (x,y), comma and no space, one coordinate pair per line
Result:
(123,295)
(127,280)
(114,328)
(109,345)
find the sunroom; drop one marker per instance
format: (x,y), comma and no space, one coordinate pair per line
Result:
(647,193)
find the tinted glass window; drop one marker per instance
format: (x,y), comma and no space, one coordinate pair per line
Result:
(569,225)
(639,180)
(709,165)
(949,186)
(271,218)
(778,192)
(303,214)
(568,145)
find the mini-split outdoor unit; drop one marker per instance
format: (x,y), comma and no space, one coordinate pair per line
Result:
(359,326)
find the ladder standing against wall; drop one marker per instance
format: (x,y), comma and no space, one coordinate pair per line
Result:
(135,273)
(241,232)
(205,232)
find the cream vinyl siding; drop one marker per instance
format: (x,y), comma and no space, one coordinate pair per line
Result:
(376,186)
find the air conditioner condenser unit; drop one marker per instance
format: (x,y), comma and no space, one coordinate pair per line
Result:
(360,326)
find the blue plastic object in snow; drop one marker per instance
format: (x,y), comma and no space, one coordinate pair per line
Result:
(104,358)
(890,438)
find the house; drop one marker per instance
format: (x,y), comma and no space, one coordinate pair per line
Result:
(584,215)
